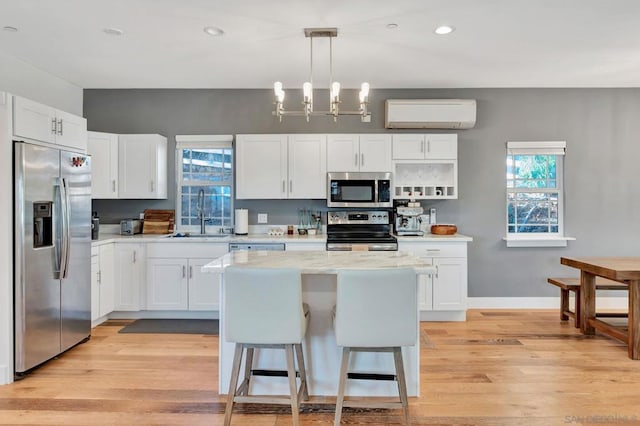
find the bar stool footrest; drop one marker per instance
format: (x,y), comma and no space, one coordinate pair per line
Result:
(372,376)
(272,373)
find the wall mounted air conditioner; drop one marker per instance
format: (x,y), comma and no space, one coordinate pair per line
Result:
(430,113)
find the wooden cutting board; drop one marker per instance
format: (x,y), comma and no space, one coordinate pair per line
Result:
(158,221)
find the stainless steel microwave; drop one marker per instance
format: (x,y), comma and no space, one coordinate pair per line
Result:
(359,189)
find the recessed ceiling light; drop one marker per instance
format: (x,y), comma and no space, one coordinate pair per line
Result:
(10,29)
(113,31)
(444,29)
(213,31)
(392,26)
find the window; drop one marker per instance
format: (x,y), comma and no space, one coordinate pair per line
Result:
(204,174)
(534,193)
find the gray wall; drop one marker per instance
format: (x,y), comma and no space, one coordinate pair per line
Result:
(600,126)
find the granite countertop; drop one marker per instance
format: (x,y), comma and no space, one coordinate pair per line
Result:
(434,238)
(106,238)
(110,233)
(320,262)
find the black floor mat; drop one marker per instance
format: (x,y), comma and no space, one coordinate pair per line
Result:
(174,326)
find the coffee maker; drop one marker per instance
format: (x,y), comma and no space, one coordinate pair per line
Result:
(408,220)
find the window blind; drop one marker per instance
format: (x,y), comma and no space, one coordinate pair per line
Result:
(536,148)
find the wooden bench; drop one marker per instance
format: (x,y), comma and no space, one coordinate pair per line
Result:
(573,284)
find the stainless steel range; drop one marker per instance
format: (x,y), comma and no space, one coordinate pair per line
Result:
(360,230)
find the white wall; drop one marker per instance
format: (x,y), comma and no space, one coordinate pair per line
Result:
(19,78)
(6,257)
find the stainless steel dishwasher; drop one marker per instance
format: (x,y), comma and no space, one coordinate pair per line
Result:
(257,246)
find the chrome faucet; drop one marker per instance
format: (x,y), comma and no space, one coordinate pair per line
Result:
(200,210)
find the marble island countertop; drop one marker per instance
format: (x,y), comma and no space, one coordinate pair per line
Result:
(320,262)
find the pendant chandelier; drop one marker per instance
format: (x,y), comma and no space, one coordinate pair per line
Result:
(334,87)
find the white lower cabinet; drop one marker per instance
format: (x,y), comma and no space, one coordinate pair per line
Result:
(174,278)
(95,284)
(130,276)
(446,290)
(167,287)
(102,281)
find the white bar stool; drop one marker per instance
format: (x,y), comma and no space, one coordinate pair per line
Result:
(376,311)
(264,309)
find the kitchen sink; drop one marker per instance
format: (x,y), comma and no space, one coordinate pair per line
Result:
(188,235)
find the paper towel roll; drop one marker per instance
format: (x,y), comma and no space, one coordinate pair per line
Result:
(242,222)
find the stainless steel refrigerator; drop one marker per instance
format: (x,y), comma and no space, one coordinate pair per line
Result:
(52,251)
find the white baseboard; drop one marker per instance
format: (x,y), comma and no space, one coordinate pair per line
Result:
(539,302)
(6,375)
(443,315)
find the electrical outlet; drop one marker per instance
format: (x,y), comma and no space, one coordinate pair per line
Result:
(263,218)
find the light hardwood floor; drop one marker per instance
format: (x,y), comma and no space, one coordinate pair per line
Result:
(498,368)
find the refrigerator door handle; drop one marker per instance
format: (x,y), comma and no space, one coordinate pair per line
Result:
(58,229)
(66,227)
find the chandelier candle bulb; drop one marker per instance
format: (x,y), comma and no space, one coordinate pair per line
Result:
(335,91)
(307,89)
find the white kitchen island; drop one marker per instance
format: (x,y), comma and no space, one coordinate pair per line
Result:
(322,355)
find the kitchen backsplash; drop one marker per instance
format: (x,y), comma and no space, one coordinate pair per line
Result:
(280,212)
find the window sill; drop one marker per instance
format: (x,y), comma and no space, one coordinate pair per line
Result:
(537,241)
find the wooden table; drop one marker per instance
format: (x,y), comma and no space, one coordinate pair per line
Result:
(622,269)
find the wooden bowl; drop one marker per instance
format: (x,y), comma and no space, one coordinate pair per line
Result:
(444,229)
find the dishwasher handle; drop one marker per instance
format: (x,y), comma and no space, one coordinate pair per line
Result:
(257,246)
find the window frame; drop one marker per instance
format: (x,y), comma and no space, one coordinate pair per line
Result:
(537,239)
(205,142)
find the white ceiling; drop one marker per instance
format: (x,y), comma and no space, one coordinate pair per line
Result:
(497,43)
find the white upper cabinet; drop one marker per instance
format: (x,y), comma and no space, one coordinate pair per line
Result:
(425,146)
(71,131)
(280,166)
(375,153)
(43,123)
(354,152)
(261,166)
(343,153)
(142,166)
(307,166)
(103,148)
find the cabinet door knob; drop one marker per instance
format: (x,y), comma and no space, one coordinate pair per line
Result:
(290,186)
(361,160)
(355,162)
(184,271)
(53,126)
(113,185)
(152,186)
(190,271)
(60,127)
